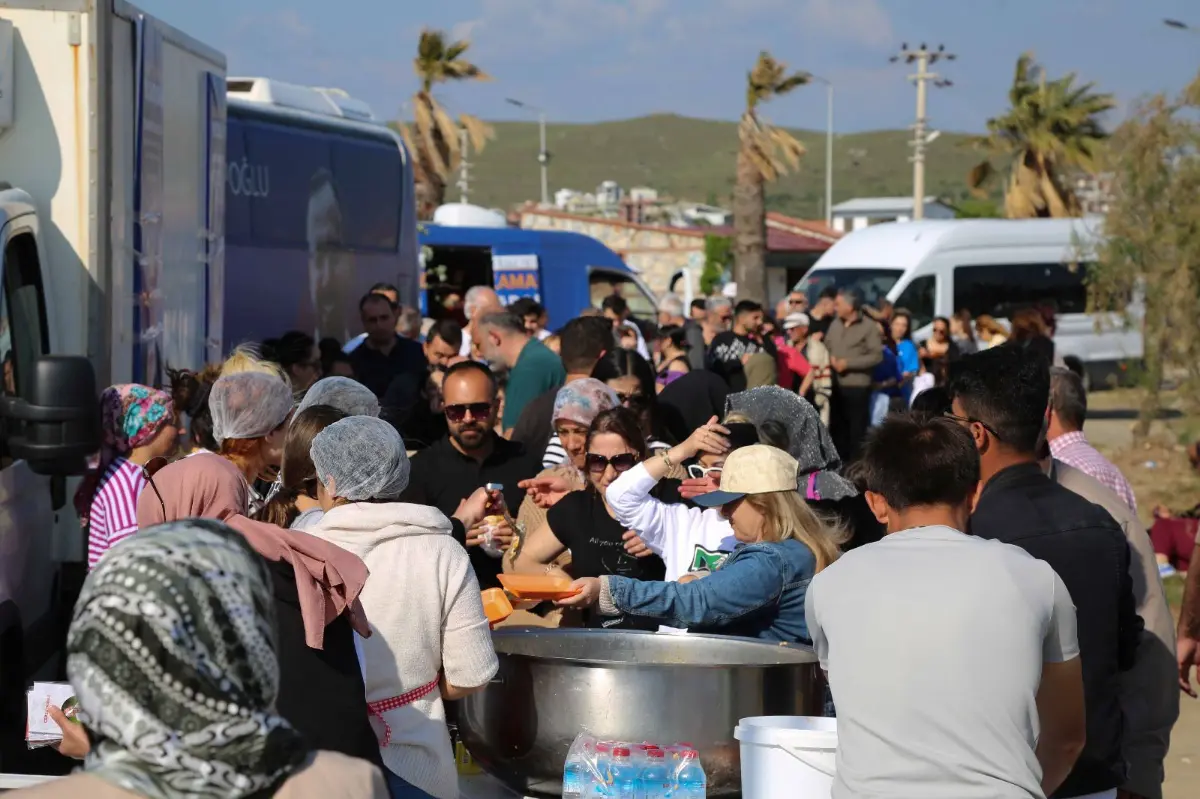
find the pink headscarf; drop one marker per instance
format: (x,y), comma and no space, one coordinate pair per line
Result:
(328,578)
(131,415)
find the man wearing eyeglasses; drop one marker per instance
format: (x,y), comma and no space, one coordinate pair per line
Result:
(469,457)
(1001,396)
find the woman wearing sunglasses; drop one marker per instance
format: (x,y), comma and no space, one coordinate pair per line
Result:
(759,590)
(582,523)
(632,377)
(138,424)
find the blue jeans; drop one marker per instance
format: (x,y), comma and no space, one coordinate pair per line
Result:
(401,789)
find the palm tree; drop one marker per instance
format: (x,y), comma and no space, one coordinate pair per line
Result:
(434,139)
(1051,127)
(765,152)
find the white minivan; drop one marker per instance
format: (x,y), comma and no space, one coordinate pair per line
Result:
(986,266)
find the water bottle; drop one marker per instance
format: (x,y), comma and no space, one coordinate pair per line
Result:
(601,778)
(624,775)
(497,513)
(654,781)
(693,784)
(576,782)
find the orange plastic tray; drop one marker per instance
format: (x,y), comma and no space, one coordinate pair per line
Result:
(496,605)
(537,586)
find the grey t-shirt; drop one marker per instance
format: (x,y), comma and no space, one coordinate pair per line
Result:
(934,643)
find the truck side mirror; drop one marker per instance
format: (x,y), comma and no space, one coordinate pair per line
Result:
(55,425)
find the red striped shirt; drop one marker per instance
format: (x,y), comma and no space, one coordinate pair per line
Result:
(113,516)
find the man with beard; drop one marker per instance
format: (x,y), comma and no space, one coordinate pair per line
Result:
(469,457)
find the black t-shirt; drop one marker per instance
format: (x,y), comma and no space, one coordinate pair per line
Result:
(376,371)
(443,477)
(581,522)
(725,356)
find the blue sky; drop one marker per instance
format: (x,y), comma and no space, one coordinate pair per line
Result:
(588,60)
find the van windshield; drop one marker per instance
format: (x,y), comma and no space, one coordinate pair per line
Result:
(872,284)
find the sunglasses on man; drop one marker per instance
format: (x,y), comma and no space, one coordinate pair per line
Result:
(596,464)
(479,410)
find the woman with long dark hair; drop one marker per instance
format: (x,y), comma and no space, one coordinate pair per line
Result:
(582,522)
(295,504)
(632,377)
(673,349)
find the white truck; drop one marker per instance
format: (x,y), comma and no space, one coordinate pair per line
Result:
(112,162)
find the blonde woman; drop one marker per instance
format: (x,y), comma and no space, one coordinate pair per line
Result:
(759,590)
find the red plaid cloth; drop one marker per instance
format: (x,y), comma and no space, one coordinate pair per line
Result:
(377,709)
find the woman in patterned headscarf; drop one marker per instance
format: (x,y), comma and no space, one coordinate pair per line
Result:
(138,425)
(172,654)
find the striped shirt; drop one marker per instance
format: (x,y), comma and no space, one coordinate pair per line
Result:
(556,454)
(113,515)
(1073,449)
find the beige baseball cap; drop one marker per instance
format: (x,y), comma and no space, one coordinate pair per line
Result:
(756,469)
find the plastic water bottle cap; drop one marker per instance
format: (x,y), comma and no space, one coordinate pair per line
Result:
(690,753)
(686,745)
(654,753)
(621,752)
(603,747)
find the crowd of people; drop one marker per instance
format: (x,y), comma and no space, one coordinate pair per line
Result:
(287,549)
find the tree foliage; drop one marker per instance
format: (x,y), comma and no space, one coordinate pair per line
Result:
(718,251)
(1152,240)
(434,137)
(765,152)
(1051,126)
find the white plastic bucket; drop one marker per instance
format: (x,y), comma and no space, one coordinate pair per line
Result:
(787,756)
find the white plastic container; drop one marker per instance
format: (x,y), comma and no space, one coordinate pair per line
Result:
(787,756)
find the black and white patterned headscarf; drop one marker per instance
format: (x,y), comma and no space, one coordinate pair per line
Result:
(172,655)
(808,440)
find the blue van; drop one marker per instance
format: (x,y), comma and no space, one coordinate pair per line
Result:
(564,272)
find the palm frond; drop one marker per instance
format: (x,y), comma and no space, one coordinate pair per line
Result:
(478,131)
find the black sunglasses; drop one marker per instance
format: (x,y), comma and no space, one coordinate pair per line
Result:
(479,410)
(153,467)
(635,398)
(596,464)
(967,420)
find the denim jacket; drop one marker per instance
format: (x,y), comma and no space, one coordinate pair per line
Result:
(758,592)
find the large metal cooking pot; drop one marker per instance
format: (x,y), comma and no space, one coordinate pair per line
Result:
(629,686)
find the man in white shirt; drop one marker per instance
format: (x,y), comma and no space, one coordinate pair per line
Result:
(953,661)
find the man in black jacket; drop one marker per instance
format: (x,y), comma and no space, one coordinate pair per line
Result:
(1001,395)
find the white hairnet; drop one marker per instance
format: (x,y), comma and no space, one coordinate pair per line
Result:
(248,405)
(348,396)
(364,456)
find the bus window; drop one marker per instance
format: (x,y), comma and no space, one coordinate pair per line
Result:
(918,299)
(873,285)
(1000,289)
(602,284)
(24,335)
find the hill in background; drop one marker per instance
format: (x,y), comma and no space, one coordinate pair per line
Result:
(693,159)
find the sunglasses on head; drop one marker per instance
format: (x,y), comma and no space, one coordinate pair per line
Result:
(479,410)
(153,467)
(596,464)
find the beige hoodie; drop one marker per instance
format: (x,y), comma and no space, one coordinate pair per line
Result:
(426,615)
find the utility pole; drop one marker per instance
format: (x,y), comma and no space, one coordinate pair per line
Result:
(464,166)
(924,58)
(543,156)
(828,148)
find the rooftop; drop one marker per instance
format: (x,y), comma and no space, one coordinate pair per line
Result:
(879,205)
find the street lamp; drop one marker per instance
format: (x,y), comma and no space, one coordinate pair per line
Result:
(543,154)
(828,148)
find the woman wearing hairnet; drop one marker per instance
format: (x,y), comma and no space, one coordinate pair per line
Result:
(430,638)
(250,411)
